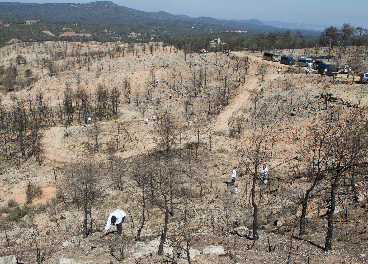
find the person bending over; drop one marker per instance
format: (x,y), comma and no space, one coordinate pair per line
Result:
(116,218)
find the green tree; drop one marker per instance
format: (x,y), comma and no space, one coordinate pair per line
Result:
(332,33)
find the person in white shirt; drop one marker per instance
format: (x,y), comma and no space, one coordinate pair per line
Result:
(116,218)
(264,171)
(233,176)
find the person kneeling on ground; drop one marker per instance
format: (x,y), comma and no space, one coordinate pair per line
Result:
(116,218)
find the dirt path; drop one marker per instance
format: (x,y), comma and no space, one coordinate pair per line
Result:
(243,95)
(237,103)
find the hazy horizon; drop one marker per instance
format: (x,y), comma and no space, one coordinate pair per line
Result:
(315,12)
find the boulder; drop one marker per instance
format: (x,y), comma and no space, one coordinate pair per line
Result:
(8,260)
(279,222)
(72,261)
(219,250)
(243,231)
(68,244)
(192,252)
(361,197)
(151,247)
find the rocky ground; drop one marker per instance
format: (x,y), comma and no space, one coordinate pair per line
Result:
(51,232)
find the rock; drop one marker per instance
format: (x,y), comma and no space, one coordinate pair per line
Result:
(298,157)
(361,197)
(242,230)
(219,250)
(72,261)
(279,222)
(192,252)
(8,260)
(68,244)
(152,247)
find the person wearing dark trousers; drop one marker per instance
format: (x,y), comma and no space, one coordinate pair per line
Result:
(116,218)
(233,175)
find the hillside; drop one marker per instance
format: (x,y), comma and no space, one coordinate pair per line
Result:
(211,112)
(105,12)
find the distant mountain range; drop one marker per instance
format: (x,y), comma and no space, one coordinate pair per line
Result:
(285,25)
(106,12)
(297,26)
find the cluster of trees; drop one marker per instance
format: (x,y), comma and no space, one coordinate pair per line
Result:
(166,177)
(333,153)
(171,178)
(332,36)
(21,128)
(238,42)
(12,78)
(336,150)
(79,105)
(344,36)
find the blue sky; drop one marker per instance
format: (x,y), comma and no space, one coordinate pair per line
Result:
(322,12)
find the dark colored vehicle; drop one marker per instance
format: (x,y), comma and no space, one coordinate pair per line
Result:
(305,62)
(363,77)
(316,63)
(267,56)
(328,69)
(287,60)
(271,56)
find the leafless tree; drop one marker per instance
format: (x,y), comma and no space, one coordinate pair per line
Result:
(83,185)
(315,156)
(68,105)
(347,142)
(254,147)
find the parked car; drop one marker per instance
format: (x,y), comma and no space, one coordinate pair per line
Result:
(287,60)
(363,77)
(275,57)
(227,51)
(328,69)
(268,56)
(305,62)
(316,63)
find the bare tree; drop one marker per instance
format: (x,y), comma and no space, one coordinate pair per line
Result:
(315,158)
(83,185)
(347,142)
(68,105)
(166,178)
(253,152)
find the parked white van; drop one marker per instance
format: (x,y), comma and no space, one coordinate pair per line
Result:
(364,77)
(305,62)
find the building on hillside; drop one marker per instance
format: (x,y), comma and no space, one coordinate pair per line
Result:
(215,42)
(30,21)
(240,31)
(133,35)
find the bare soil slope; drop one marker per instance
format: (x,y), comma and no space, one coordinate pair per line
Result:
(220,218)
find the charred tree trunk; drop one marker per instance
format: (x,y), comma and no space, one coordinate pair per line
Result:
(329,236)
(164,232)
(85,217)
(255,208)
(138,237)
(305,207)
